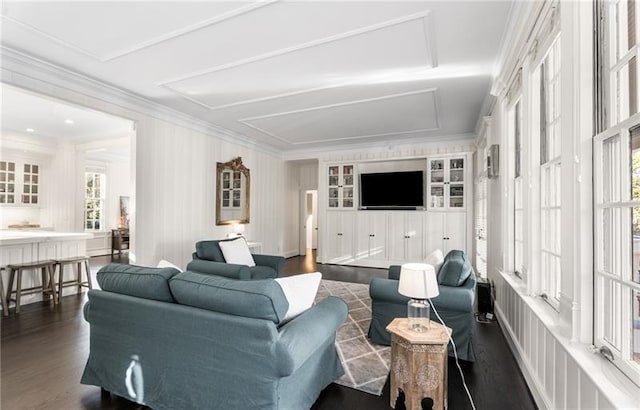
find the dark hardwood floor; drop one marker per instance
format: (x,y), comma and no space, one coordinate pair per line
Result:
(44,349)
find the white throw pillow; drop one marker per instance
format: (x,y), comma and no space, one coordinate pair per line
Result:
(436,259)
(237,251)
(166,264)
(300,291)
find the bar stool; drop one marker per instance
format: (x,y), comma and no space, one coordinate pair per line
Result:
(15,274)
(79,261)
(5,306)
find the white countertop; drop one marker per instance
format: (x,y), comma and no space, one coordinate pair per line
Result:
(13,237)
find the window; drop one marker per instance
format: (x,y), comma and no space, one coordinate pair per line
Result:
(616,169)
(94,201)
(550,175)
(515,119)
(622,59)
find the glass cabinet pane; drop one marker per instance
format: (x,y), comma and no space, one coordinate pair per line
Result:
(437,196)
(456,195)
(333,171)
(333,180)
(348,180)
(456,175)
(437,170)
(456,163)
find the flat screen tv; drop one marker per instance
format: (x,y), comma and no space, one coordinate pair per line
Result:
(392,190)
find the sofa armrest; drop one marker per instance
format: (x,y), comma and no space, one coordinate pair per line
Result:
(394,272)
(305,334)
(228,270)
(386,290)
(272,261)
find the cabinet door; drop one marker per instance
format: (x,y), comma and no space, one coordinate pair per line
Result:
(455,232)
(333,183)
(331,238)
(346,235)
(414,244)
(436,184)
(397,236)
(434,232)
(378,242)
(363,235)
(347,186)
(340,236)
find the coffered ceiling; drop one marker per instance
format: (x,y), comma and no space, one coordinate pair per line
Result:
(291,75)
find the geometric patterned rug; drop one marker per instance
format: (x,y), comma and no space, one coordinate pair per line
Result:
(366,365)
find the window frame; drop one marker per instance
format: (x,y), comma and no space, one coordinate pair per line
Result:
(92,198)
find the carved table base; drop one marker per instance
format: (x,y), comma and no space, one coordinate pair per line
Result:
(418,366)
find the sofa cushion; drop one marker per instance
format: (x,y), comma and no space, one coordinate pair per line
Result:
(260,299)
(300,291)
(237,251)
(455,270)
(140,281)
(209,250)
(166,264)
(435,259)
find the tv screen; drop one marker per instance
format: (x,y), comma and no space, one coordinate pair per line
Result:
(389,190)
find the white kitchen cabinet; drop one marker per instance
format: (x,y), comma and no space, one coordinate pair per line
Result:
(371,236)
(406,236)
(446,231)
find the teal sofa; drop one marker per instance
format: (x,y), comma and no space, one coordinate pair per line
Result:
(172,340)
(457,284)
(208,258)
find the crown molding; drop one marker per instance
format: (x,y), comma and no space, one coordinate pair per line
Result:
(416,147)
(25,71)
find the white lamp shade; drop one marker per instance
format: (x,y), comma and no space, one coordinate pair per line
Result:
(418,281)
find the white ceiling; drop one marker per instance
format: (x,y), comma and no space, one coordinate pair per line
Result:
(104,136)
(291,75)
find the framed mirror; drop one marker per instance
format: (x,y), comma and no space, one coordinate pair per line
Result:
(232,192)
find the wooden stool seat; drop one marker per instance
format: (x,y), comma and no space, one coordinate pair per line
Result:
(79,261)
(15,274)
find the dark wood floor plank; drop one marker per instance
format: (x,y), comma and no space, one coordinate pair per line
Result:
(43,352)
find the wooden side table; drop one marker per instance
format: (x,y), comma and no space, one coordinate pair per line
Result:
(418,365)
(119,240)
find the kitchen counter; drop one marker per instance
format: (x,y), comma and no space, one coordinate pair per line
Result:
(13,237)
(22,246)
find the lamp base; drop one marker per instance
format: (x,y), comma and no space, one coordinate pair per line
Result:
(418,315)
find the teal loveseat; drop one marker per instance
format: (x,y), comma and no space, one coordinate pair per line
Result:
(208,258)
(457,284)
(172,340)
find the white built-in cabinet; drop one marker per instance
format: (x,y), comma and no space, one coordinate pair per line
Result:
(371,236)
(339,243)
(406,236)
(446,231)
(341,186)
(446,183)
(379,238)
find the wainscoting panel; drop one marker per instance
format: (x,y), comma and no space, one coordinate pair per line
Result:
(561,374)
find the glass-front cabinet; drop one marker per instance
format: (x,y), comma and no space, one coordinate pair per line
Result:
(341,186)
(446,183)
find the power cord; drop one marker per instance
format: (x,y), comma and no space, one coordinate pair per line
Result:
(455,354)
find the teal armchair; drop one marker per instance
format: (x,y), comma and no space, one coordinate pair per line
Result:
(455,304)
(208,258)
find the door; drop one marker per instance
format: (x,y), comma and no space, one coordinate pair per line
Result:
(339,237)
(434,231)
(397,236)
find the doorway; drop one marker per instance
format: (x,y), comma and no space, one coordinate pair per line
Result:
(309,220)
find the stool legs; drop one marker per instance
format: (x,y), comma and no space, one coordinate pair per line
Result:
(18,289)
(47,286)
(5,305)
(79,282)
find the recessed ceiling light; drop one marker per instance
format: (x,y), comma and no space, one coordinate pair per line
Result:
(68,121)
(30,130)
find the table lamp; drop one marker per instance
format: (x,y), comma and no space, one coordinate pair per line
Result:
(418,281)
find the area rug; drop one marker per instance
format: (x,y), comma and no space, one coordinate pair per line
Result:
(366,365)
